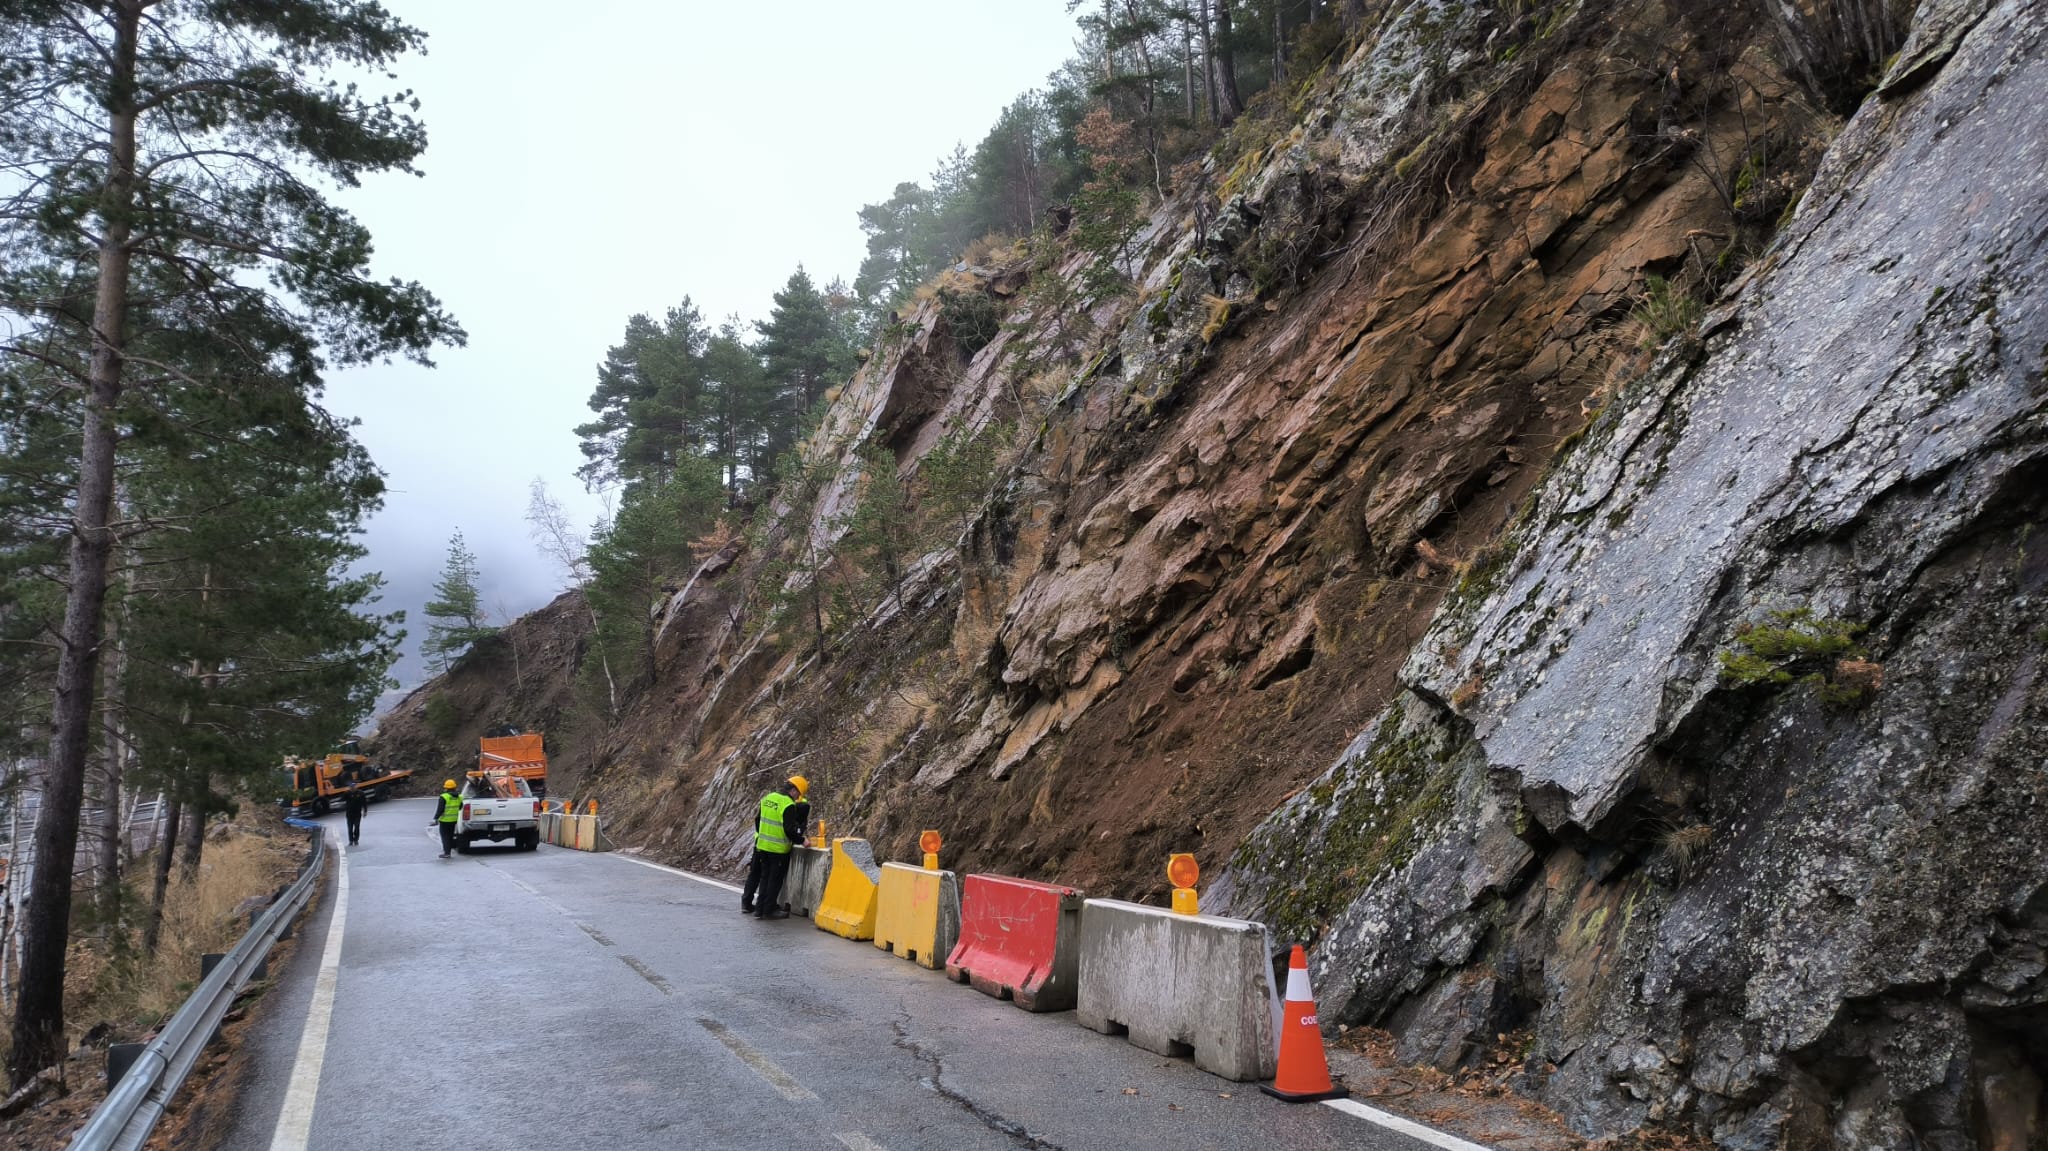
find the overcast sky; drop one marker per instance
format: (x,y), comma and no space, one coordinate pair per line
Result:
(594,160)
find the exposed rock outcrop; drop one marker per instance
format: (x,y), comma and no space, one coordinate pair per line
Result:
(1368,461)
(1802,912)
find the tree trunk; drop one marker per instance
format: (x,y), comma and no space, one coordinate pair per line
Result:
(161,880)
(1187,68)
(1108,57)
(38,1037)
(1209,67)
(1226,66)
(194,832)
(1279,44)
(1151,92)
(108,851)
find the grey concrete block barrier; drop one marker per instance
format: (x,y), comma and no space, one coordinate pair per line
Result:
(805,887)
(1179,985)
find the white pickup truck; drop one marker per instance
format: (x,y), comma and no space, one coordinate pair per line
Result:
(496,807)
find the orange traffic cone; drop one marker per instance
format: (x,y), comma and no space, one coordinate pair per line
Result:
(1304,1070)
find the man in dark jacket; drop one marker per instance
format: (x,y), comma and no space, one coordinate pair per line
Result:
(778,829)
(352,803)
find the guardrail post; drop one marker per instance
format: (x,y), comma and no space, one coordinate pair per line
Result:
(120,1057)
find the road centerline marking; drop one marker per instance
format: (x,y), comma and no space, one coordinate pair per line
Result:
(777,1078)
(645,972)
(295,1118)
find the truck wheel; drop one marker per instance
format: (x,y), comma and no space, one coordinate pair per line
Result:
(320,807)
(529,840)
(462,844)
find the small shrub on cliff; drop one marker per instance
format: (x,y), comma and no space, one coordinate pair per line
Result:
(1665,311)
(1797,646)
(440,716)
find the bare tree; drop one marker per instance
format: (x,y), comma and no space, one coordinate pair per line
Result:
(549,525)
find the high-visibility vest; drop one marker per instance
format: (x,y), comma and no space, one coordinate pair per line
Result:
(768,833)
(451,806)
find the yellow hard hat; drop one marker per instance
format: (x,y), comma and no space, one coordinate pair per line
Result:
(803,786)
(447,785)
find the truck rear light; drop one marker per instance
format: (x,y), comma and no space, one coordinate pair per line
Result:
(465,811)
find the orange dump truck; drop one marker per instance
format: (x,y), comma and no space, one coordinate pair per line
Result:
(519,754)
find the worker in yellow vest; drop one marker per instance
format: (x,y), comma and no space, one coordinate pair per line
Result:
(447,806)
(777,830)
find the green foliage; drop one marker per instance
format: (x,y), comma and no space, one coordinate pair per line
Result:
(455,616)
(172,256)
(649,399)
(1666,311)
(881,532)
(637,557)
(804,350)
(956,477)
(1798,646)
(441,716)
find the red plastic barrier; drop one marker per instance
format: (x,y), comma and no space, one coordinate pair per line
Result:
(1019,940)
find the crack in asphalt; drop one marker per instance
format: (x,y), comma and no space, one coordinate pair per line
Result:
(1016,1132)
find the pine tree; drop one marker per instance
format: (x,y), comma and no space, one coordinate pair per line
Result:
(635,557)
(649,400)
(455,616)
(802,350)
(170,148)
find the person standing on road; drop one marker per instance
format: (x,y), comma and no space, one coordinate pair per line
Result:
(451,806)
(779,827)
(352,804)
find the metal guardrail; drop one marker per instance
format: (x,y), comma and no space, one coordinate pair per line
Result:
(132,1107)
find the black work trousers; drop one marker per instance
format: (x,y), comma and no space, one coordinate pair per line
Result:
(354,815)
(763,890)
(447,827)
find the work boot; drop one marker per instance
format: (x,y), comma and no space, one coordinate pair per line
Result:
(778,913)
(746,909)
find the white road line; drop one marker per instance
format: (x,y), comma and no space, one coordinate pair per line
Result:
(295,1121)
(777,1078)
(855,1141)
(1408,1127)
(674,871)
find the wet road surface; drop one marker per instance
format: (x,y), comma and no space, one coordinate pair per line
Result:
(562,998)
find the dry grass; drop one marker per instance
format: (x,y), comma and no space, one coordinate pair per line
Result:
(111,981)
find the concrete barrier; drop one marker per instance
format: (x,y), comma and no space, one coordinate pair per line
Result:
(1179,985)
(917,913)
(578,832)
(1019,940)
(848,906)
(805,887)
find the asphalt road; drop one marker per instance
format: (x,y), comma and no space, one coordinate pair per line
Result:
(562,998)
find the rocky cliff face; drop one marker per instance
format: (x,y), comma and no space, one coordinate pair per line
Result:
(1580,595)
(525,676)
(1811,911)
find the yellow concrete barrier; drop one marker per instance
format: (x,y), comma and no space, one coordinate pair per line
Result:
(848,909)
(917,913)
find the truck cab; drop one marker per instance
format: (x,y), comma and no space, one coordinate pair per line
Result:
(496,806)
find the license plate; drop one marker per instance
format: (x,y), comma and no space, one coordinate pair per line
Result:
(501,827)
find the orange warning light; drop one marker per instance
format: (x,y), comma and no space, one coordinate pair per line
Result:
(1182,871)
(928,842)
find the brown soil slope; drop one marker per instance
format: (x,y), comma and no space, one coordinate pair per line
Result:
(1237,490)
